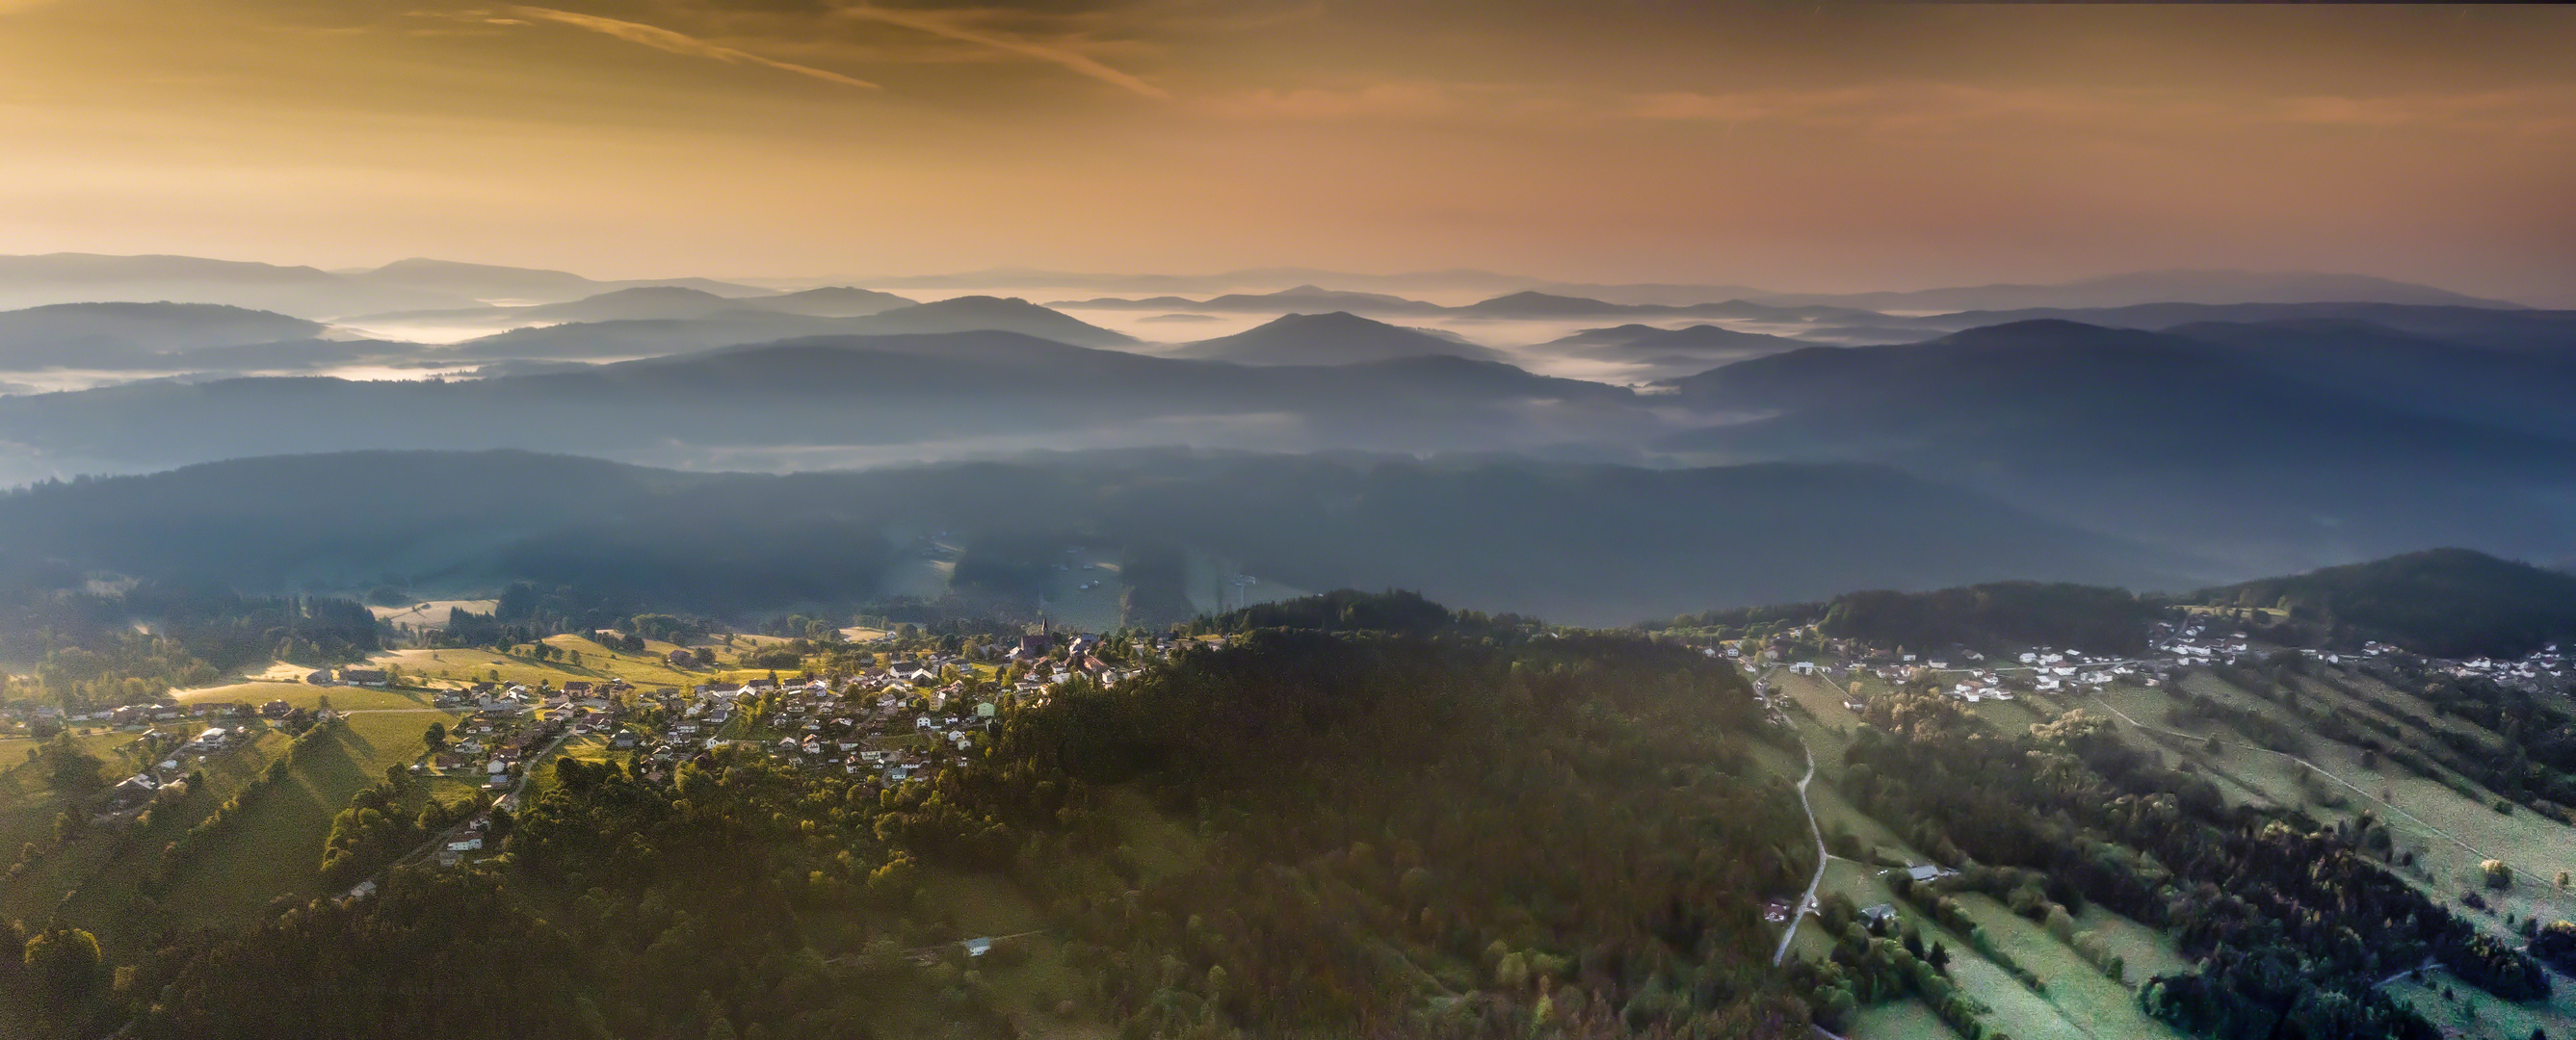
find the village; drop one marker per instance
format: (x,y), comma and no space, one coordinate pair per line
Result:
(896,715)
(2173,645)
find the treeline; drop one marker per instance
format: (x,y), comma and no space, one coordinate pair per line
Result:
(1370,836)
(181,853)
(91,653)
(378,828)
(1393,613)
(1741,622)
(2105,822)
(1996,616)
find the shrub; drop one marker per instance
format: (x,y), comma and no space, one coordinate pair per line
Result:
(2498,875)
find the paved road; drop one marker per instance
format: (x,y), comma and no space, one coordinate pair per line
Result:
(1808,902)
(430,847)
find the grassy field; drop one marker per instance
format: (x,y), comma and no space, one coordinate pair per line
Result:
(304,695)
(2469,1012)
(648,669)
(2081,1001)
(2149,952)
(89,882)
(2428,813)
(276,848)
(1900,1020)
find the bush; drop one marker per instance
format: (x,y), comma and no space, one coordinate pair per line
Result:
(63,959)
(2498,875)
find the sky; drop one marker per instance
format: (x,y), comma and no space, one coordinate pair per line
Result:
(1796,147)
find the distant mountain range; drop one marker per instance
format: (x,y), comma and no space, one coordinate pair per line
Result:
(2264,435)
(493,283)
(659,303)
(2187,286)
(304,292)
(1524,305)
(1595,543)
(675,333)
(2123,290)
(1301,299)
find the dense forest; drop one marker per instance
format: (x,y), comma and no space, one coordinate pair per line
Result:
(1362,832)
(1989,617)
(1996,616)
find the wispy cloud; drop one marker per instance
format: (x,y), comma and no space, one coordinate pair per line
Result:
(951,27)
(662,39)
(1410,99)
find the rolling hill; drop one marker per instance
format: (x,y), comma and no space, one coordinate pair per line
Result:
(2155,436)
(115,335)
(819,401)
(1702,342)
(1303,299)
(1337,338)
(1582,542)
(2545,331)
(830,301)
(987,314)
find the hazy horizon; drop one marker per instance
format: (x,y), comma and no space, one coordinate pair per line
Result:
(1824,148)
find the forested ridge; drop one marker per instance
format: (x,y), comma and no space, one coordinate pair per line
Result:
(2440,602)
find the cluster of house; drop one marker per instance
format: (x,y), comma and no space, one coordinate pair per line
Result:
(1972,678)
(2543,669)
(2182,644)
(161,739)
(125,715)
(884,723)
(171,754)
(503,727)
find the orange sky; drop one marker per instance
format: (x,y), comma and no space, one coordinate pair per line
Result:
(1798,147)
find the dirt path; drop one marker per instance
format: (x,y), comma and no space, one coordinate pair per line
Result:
(2313,767)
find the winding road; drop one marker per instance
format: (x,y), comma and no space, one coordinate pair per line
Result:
(1806,903)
